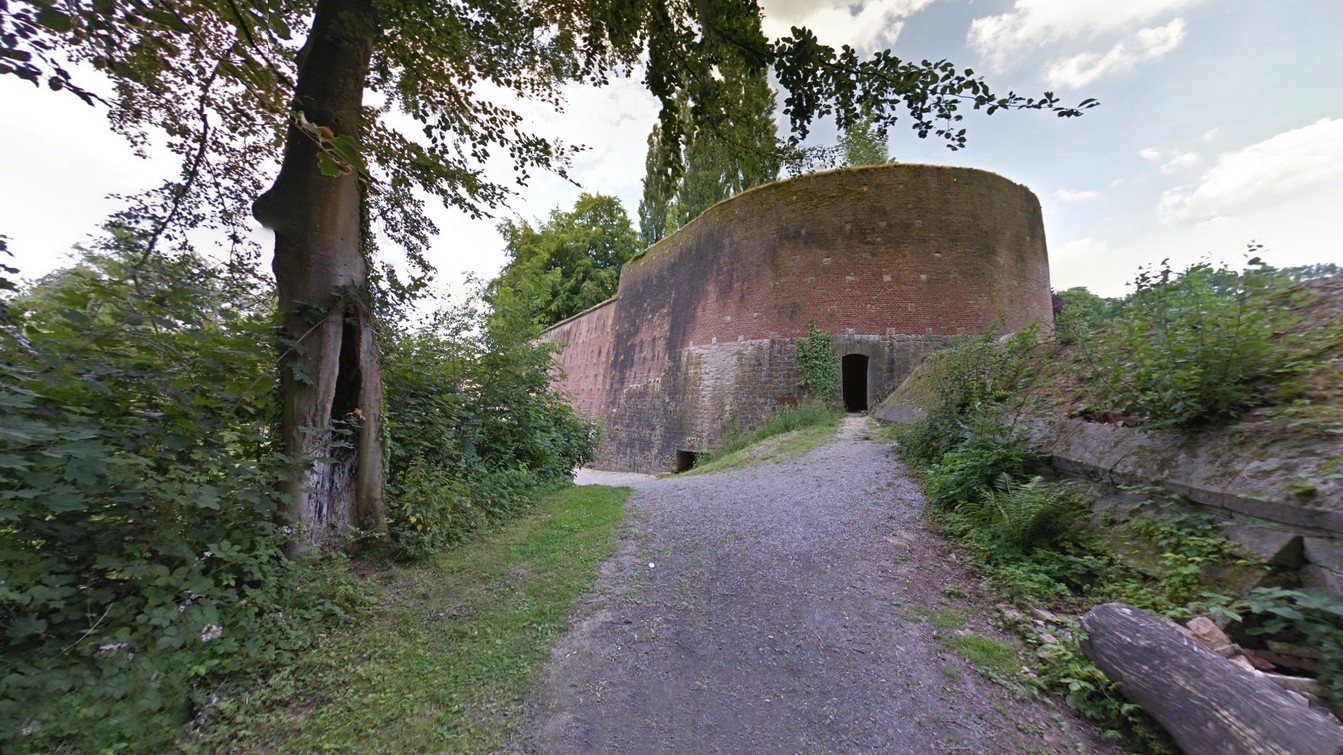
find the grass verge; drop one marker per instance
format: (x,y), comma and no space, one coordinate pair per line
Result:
(787,434)
(443,659)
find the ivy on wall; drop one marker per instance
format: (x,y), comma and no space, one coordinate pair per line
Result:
(817,365)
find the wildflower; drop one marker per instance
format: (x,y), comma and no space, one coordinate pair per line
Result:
(212,632)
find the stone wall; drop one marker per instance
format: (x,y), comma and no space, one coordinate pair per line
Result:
(890,260)
(1253,484)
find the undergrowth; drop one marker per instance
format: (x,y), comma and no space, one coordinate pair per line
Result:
(142,527)
(1186,349)
(443,656)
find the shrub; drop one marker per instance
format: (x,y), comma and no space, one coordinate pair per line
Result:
(140,533)
(1315,614)
(1015,518)
(474,427)
(1187,348)
(988,452)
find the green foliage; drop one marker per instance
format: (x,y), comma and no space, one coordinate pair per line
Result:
(721,157)
(474,426)
(818,365)
(1090,692)
(568,263)
(864,142)
(443,658)
(1187,348)
(1081,312)
(457,71)
(975,385)
(1015,518)
(140,535)
(988,453)
(1316,615)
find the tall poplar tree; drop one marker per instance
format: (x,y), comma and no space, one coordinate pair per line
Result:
(234,85)
(726,147)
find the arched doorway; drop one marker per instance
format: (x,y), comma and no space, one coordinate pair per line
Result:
(853,379)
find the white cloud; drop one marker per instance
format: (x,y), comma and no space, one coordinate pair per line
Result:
(1075,195)
(1032,24)
(1306,160)
(1181,160)
(1079,70)
(864,25)
(1211,134)
(1150,153)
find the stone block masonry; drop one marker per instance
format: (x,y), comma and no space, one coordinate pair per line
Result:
(891,260)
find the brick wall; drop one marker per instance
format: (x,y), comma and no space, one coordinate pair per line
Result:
(891,260)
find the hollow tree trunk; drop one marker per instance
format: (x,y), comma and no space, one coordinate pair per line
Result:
(332,385)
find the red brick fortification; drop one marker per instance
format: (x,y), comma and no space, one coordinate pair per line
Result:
(890,260)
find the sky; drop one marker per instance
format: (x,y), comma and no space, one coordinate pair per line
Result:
(1220,126)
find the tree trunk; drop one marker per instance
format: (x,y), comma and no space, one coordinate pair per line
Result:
(1205,702)
(332,385)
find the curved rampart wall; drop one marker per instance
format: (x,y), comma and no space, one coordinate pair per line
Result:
(891,260)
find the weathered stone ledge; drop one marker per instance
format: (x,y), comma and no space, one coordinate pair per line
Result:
(1285,508)
(1283,500)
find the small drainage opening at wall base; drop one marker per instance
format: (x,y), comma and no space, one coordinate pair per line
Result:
(685,461)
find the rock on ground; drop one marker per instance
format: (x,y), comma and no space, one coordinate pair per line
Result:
(784,608)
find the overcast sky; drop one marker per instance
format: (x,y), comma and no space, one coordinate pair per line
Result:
(1221,124)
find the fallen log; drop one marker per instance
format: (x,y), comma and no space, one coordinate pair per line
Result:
(1205,702)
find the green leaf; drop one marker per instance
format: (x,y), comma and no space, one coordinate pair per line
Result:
(167,19)
(330,166)
(348,150)
(55,20)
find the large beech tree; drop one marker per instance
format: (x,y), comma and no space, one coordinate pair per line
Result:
(233,85)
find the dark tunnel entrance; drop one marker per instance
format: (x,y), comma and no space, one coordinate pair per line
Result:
(853,371)
(685,460)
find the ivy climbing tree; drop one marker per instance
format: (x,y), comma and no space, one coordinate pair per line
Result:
(232,86)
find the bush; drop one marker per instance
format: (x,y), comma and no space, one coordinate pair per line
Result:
(140,534)
(1015,518)
(988,453)
(1187,348)
(1315,615)
(474,428)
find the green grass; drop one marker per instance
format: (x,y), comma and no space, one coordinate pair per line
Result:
(445,657)
(792,433)
(996,660)
(943,618)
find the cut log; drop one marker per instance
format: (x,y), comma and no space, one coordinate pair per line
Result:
(1204,701)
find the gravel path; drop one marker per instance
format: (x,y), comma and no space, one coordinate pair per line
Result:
(783,608)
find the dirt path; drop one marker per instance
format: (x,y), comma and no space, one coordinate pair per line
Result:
(784,608)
